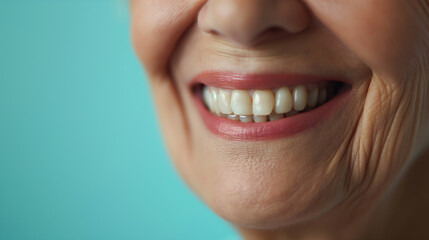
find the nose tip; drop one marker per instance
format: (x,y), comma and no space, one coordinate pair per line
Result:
(244,21)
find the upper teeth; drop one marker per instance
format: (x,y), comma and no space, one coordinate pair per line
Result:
(263,105)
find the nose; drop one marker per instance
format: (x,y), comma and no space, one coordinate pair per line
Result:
(247,21)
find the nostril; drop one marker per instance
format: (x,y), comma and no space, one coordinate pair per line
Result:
(274,30)
(246,22)
(270,34)
(213,32)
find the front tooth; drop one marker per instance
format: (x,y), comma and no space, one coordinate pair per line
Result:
(300,97)
(263,102)
(241,103)
(207,97)
(313,97)
(224,101)
(284,100)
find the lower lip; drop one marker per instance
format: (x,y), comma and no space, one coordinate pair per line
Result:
(234,130)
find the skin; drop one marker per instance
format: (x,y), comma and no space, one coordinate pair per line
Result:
(360,175)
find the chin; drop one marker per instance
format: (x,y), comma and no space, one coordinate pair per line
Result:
(272,193)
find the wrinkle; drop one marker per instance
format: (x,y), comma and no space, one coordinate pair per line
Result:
(367,143)
(225,49)
(421,7)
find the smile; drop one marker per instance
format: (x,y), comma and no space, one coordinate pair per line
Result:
(265,105)
(257,107)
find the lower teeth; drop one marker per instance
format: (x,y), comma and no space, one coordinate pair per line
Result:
(246,119)
(257,119)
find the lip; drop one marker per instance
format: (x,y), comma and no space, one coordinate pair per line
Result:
(258,81)
(233,130)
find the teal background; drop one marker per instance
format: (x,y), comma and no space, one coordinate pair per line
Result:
(81,156)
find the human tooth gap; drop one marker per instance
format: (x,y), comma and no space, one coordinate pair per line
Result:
(263,105)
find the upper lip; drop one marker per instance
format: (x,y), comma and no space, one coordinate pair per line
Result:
(228,80)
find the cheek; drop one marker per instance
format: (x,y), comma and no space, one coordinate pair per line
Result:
(156,28)
(384,33)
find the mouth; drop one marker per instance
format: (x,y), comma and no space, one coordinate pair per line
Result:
(265,106)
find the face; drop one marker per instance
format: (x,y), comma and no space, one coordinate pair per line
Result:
(336,93)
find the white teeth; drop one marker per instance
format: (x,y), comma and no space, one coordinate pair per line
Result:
(300,98)
(263,102)
(323,95)
(224,101)
(233,117)
(208,99)
(313,97)
(214,101)
(260,119)
(263,105)
(241,103)
(246,119)
(284,101)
